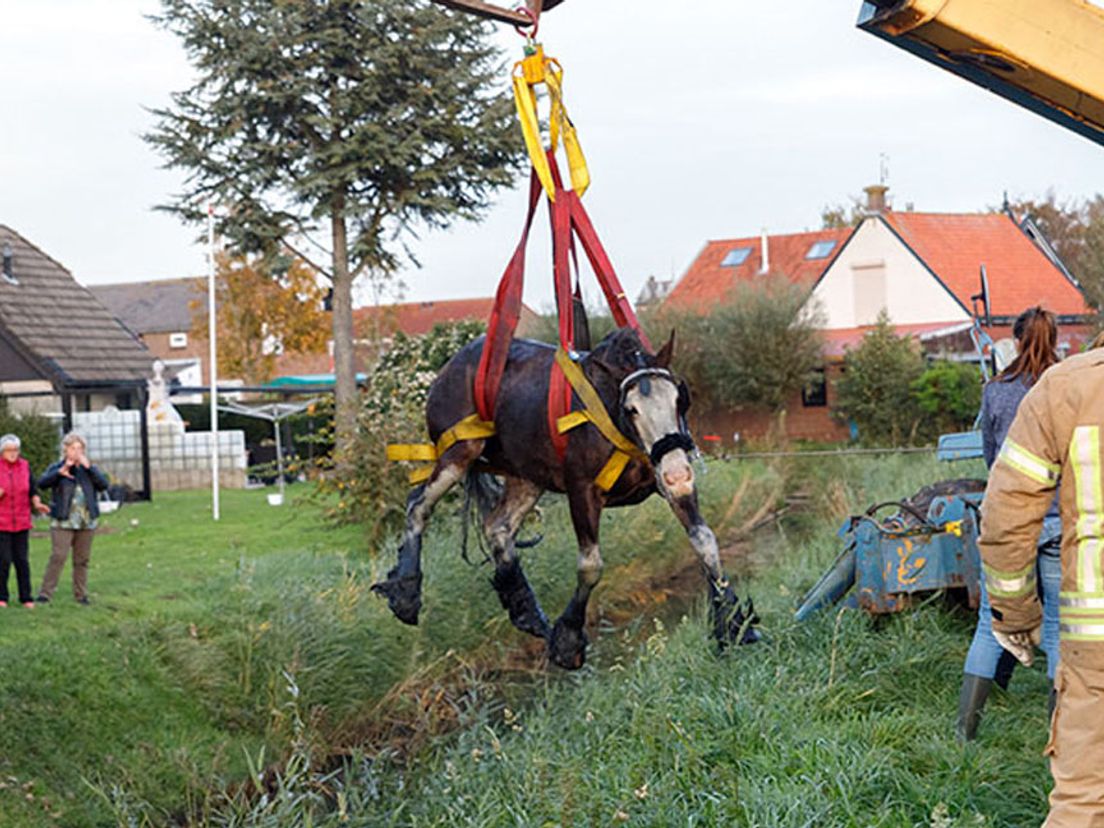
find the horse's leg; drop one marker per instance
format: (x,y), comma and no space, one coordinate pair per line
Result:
(509,581)
(403,587)
(732,624)
(567,646)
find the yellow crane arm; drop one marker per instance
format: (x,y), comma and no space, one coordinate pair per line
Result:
(1046,55)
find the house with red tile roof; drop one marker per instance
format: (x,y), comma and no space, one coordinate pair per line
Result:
(377,324)
(725,263)
(416,318)
(922,269)
(161,314)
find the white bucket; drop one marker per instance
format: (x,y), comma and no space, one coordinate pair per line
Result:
(108,506)
(276,499)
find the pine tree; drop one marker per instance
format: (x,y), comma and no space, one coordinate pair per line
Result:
(335,129)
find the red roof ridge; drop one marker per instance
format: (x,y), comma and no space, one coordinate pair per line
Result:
(825,231)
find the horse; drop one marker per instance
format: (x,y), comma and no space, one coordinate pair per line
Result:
(648,404)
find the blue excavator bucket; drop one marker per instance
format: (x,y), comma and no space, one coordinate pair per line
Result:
(929,543)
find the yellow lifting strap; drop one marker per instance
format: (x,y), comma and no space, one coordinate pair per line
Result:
(594,412)
(534,70)
(469,428)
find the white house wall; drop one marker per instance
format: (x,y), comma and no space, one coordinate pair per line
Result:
(877,270)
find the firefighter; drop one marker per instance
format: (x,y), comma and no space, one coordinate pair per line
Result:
(1056,434)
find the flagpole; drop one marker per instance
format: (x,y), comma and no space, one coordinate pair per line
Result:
(212,359)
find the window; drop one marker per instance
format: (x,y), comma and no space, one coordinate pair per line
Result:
(6,266)
(815,392)
(178,340)
(821,250)
(736,257)
(869,285)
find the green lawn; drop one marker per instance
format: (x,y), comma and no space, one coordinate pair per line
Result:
(837,722)
(207,643)
(110,694)
(149,701)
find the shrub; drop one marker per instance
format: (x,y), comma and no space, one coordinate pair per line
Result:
(371,490)
(949,393)
(757,349)
(39,436)
(875,391)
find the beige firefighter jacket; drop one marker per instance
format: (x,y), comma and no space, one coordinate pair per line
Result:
(1056,435)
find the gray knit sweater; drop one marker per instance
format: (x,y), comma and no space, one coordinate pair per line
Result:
(999,403)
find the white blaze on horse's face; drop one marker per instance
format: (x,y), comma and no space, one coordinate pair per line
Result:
(654,415)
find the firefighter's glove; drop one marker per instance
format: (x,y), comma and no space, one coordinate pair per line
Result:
(1021,644)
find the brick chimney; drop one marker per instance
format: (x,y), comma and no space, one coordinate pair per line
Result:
(876,202)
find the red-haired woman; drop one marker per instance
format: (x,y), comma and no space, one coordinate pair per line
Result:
(1036,333)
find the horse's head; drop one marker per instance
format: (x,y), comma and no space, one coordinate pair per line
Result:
(652,406)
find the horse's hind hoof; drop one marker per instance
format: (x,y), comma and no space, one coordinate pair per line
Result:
(567,646)
(403,594)
(519,601)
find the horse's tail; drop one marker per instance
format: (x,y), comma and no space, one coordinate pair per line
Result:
(482,494)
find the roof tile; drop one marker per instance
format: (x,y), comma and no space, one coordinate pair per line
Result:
(707,281)
(62,324)
(954,246)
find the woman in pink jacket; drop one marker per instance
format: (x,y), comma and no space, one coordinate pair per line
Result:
(17,499)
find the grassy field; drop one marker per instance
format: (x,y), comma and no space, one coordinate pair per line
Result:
(837,722)
(218,661)
(213,649)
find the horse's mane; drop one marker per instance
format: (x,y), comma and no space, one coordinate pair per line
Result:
(622,352)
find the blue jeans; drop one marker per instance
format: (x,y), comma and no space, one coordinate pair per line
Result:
(985,652)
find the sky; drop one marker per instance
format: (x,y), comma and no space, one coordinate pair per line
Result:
(704,120)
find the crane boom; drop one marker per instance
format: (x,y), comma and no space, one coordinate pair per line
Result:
(1045,55)
(517,16)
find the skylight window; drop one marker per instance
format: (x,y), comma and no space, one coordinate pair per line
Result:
(821,250)
(736,257)
(6,265)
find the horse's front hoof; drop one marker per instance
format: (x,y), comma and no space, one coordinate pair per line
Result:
(567,646)
(403,594)
(733,624)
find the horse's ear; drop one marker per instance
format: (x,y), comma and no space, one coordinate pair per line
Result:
(663,358)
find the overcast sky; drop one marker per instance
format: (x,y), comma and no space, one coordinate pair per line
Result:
(700,120)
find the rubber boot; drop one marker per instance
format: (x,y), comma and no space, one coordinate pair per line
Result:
(975,690)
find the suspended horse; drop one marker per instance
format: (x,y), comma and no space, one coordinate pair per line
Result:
(606,427)
(631,441)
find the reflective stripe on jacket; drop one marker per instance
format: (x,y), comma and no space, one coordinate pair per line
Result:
(1056,435)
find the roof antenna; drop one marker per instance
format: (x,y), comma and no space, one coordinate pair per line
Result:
(883,169)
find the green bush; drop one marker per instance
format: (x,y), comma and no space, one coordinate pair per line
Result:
(372,490)
(875,391)
(40,437)
(949,394)
(756,349)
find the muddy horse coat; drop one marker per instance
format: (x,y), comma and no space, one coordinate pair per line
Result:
(645,402)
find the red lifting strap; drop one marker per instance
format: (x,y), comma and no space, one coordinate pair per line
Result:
(569,220)
(559,390)
(504,317)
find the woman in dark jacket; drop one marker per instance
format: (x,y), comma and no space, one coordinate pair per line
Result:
(18,500)
(1036,333)
(73,516)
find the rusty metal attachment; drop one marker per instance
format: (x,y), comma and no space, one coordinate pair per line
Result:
(527,14)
